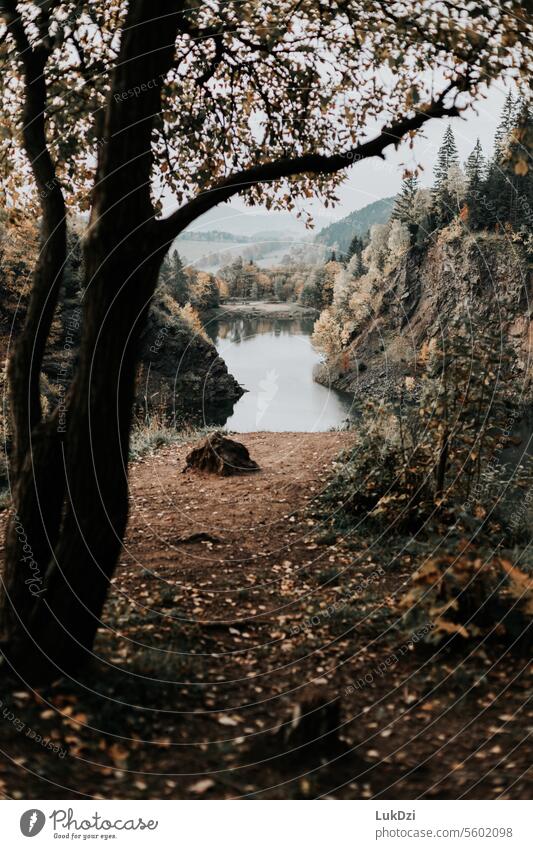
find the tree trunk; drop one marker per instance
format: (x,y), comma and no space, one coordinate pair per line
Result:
(49,629)
(70,491)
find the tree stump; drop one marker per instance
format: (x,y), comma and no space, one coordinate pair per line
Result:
(314,728)
(220,455)
(310,737)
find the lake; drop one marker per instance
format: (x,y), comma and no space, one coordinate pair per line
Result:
(273,359)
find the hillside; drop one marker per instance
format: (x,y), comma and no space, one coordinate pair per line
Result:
(340,233)
(394,311)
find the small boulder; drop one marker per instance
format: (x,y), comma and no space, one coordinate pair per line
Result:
(221,456)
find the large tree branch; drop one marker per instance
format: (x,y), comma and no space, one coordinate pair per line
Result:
(26,361)
(311,163)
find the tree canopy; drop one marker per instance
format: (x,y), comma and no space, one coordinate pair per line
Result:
(234,86)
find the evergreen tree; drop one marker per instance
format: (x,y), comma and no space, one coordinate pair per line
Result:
(506,190)
(178,284)
(313,293)
(279,289)
(446,157)
(475,168)
(403,205)
(355,247)
(173,279)
(518,165)
(445,200)
(233,275)
(355,265)
(309,296)
(249,277)
(505,126)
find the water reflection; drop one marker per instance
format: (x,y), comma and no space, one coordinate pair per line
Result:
(273,359)
(238,329)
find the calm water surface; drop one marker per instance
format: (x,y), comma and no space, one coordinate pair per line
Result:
(273,359)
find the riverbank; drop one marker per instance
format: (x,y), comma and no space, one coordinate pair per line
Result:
(256,309)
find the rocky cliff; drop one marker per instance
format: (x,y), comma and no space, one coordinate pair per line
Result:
(180,370)
(482,276)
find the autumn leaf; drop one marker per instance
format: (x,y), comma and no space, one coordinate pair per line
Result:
(201,787)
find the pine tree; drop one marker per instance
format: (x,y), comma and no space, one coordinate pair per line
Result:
(233,275)
(499,188)
(313,293)
(403,205)
(248,278)
(518,166)
(446,157)
(444,201)
(505,126)
(355,247)
(475,168)
(279,289)
(506,192)
(178,283)
(355,266)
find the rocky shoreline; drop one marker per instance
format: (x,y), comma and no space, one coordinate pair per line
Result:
(181,371)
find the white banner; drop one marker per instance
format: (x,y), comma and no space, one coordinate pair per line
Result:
(268,824)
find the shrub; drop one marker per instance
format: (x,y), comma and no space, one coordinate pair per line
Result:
(467,597)
(149,435)
(438,451)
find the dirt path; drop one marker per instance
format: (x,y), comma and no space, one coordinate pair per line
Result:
(249,515)
(221,659)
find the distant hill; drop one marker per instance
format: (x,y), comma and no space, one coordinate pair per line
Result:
(340,234)
(211,236)
(224,236)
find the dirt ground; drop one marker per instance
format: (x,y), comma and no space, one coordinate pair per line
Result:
(263,658)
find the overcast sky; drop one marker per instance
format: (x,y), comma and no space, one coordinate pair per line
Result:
(376,178)
(373,179)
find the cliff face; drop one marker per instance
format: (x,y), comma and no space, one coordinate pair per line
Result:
(180,369)
(485,276)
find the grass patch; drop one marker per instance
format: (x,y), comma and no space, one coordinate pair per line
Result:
(155,432)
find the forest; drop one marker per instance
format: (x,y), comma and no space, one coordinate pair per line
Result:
(266,512)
